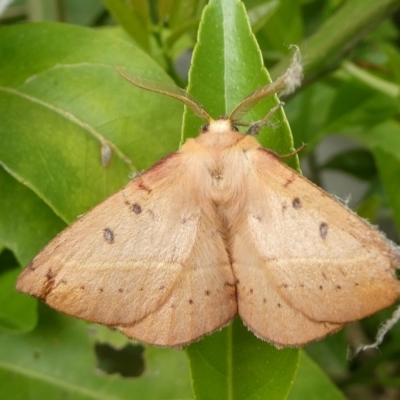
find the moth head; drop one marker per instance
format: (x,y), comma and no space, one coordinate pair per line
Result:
(285,84)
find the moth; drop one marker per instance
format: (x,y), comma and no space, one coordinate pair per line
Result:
(218,228)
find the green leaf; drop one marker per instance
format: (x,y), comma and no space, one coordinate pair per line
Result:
(368,208)
(309,126)
(389,169)
(356,105)
(283,28)
(58,361)
(134,17)
(26,225)
(259,14)
(77,109)
(26,222)
(17,312)
(338,35)
(234,364)
(312,384)
(384,141)
(227,66)
(356,162)
(331,354)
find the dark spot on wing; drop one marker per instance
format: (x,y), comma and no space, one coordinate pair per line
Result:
(83,287)
(136,208)
(48,286)
(108,235)
(190,301)
(142,186)
(296,203)
(356,284)
(207,292)
(120,290)
(289,181)
(264,300)
(323,229)
(237,281)
(257,217)
(251,291)
(301,284)
(320,286)
(285,285)
(284,207)
(323,274)
(279,305)
(64,281)
(338,287)
(101,290)
(161,288)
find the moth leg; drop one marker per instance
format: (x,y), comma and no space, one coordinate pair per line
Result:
(256,126)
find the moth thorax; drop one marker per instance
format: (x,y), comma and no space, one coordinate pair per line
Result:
(220,126)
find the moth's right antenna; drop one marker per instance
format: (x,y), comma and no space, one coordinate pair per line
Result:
(168,90)
(285,84)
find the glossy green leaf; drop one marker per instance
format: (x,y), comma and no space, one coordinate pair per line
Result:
(17,313)
(226,67)
(27,224)
(338,34)
(58,361)
(283,28)
(260,13)
(312,384)
(331,354)
(84,128)
(134,17)
(234,364)
(179,12)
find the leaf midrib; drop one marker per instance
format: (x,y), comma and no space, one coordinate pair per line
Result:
(54,381)
(72,118)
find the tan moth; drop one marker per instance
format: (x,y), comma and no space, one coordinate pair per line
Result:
(218,228)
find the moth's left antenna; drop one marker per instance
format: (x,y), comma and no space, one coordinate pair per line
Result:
(167,89)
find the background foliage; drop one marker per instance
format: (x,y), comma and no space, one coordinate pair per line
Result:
(72,131)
